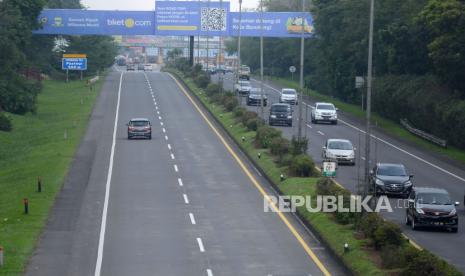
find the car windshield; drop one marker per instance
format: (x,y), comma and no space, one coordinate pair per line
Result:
(256,92)
(288,92)
(434,198)
(139,123)
(244,83)
(325,107)
(280,108)
(392,171)
(340,145)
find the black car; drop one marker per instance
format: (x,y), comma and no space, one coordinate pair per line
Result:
(254,97)
(139,128)
(280,113)
(431,207)
(130,67)
(391,179)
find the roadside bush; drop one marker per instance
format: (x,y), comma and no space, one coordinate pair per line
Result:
(392,256)
(253,124)
(299,146)
(369,223)
(302,166)
(230,103)
(217,98)
(5,122)
(325,186)
(265,135)
(239,111)
(417,261)
(212,89)
(387,233)
(286,160)
(279,147)
(202,80)
(247,115)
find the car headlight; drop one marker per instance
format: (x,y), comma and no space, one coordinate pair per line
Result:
(453,212)
(420,211)
(289,117)
(379,182)
(408,183)
(330,154)
(351,155)
(273,116)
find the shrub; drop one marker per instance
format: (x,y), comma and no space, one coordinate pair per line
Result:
(212,89)
(247,116)
(369,223)
(387,233)
(286,160)
(5,122)
(217,98)
(299,146)
(302,166)
(239,111)
(265,135)
(202,80)
(423,261)
(230,103)
(392,256)
(253,124)
(279,146)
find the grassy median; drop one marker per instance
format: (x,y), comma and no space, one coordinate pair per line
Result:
(40,145)
(358,259)
(390,126)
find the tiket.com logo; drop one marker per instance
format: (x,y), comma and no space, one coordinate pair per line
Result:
(128,23)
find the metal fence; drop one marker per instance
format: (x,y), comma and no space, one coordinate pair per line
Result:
(422,134)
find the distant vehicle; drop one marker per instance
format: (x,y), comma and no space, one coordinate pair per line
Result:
(244,72)
(148,67)
(431,207)
(280,113)
(140,66)
(255,97)
(340,150)
(139,127)
(391,179)
(324,112)
(121,61)
(288,95)
(130,67)
(243,87)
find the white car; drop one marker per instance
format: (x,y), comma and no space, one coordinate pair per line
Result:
(243,87)
(148,67)
(289,96)
(324,112)
(340,150)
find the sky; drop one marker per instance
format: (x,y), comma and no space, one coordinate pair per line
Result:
(147,5)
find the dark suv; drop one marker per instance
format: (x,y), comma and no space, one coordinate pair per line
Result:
(391,179)
(431,207)
(139,127)
(280,113)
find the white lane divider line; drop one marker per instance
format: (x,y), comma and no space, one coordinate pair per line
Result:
(159,117)
(176,168)
(321,133)
(209,272)
(186,199)
(363,158)
(98,265)
(158,112)
(166,138)
(309,126)
(199,241)
(169,146)
(180,182)
(192,218)
(161,123)
(156,107)
(172,156)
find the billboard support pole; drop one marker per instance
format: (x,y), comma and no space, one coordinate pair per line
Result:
(67,75)
(191,50)
(301,82)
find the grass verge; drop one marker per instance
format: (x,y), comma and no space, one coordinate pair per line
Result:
(358,259)
(388,125)
(37,147)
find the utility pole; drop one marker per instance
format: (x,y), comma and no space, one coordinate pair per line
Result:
(368,105)
(239,42)
(208,41)
(301,85)
(261,60)
(220,53)
(198,39)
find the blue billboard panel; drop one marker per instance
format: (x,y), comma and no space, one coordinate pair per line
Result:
(275,24)
(192,18)
(79,64)
(93,22)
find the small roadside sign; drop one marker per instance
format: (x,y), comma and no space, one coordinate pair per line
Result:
(329,169)
(292,69)
(74,56)
(78,64)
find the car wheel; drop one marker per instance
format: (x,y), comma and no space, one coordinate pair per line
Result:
(334,123)
(454,229)
(407,220)
(290,124)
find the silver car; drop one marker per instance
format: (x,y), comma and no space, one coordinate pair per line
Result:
(340,150)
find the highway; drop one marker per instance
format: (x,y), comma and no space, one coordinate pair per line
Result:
(184,203)
(429,169)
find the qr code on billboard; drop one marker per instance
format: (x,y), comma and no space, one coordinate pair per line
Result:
(213,19)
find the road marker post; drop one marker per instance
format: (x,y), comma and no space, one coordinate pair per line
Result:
(1,255)
(26,206)
(39,184)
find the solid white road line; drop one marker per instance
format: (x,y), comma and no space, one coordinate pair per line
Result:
(172,156)
(186,200)
(209,272)
(180,182)
(98,265)
(169,146)
(321,133)
(192,218)
(199,241)
(176,168)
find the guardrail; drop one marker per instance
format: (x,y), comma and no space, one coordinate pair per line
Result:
(422,134)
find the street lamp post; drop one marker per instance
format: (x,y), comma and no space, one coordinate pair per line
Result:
(239,42)
(220,53)
(261,59)
(208,41)
(368,104)
(301,84)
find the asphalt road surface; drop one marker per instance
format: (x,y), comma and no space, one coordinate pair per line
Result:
(429,169)
(182,203)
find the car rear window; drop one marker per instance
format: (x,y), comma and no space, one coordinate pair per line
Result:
(392,170)
(139,123)
(325,107)
(434,198)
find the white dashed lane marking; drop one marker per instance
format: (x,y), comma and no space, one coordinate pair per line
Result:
(186,199)
(199,241)
(191,216)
